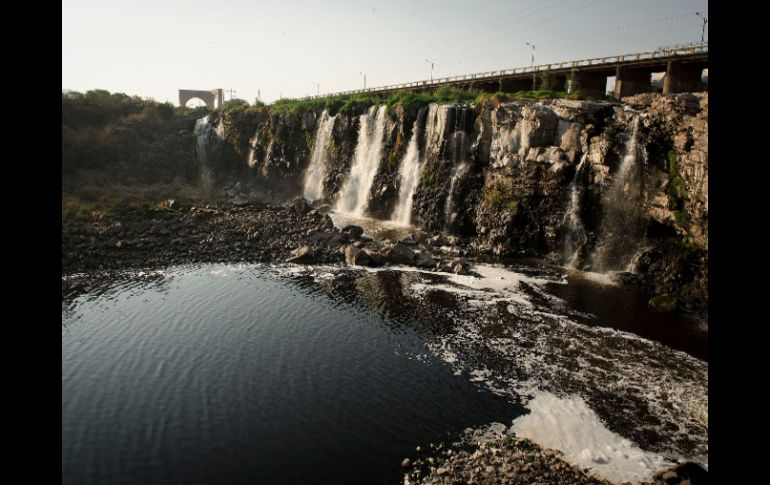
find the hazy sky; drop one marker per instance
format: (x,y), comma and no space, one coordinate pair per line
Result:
(154,48)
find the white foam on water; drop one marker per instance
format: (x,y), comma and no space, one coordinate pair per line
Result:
(596,392)
(572,427)
(604,279)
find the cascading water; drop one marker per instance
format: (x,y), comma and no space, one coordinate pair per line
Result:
(458,150)
(354,194)
(576,233)
(409,176)
(316,171)
(252,160)
(622,226)
(202,133)
(204,149)
(458,171)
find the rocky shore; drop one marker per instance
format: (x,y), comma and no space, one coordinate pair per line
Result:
(159,237)
(490,456)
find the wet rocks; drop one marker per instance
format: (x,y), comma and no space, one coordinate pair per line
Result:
(399,254)
(300,205)
(302,255)
(375,258)
(356,256)
(684,474)
(424,259)
(354,232)
(489,456)
(663,303)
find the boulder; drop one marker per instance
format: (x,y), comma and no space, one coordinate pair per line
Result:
(459,266)
(302,255)
(438,240)
(663,303)
(375,258)
(399,254)
(338,240)
(683,474)
(354,232)
(300,206)
(355,256)
(424,259)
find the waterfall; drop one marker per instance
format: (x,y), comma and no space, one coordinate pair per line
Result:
(252,160)
(409,177)
(354,194)
(316,170)
(622,224)
(202,133)
(457,172)
(205,149)
(576,233)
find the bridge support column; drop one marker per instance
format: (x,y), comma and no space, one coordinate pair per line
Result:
(514,85)
(590,84)
(682,78)
(631,81)
(488,87)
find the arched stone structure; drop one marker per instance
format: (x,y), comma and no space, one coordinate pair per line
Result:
(213,99)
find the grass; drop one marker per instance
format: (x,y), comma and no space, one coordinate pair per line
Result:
(90,202)
(498,199)
(676,186)
(427,177)
(410,100)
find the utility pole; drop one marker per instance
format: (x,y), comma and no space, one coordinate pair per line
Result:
(431,69)
(534,77)
(361,73)
(705,21)
(318,89)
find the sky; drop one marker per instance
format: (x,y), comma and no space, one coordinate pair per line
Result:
(296,48)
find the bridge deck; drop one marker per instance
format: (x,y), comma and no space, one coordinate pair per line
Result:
(638,60)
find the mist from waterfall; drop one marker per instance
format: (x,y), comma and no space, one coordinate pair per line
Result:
(316,170)
(354,194)
(409,177)
(622,226)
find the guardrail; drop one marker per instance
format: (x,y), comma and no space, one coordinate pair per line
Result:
(491,75)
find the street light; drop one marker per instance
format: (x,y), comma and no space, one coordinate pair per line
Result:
(705,21)
(431,69)
(533,53)
(534,79)
(318,89)
(361,73)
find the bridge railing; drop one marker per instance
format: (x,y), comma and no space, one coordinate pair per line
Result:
(493,75)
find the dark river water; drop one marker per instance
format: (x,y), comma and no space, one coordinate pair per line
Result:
(262,374)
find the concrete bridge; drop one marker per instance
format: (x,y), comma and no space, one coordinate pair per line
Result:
(213,99)
(683,68)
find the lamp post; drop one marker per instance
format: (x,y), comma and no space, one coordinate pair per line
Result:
(361,73)
(705,21)
(318,88)
(534,78)
(431,69)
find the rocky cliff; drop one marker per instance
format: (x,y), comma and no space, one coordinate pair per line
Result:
(602,186)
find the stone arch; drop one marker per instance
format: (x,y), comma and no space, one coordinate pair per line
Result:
(213,99)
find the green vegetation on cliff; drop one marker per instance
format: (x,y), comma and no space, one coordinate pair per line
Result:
(111,139)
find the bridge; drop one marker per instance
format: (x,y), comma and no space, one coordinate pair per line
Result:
(213,99)
(683,67)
